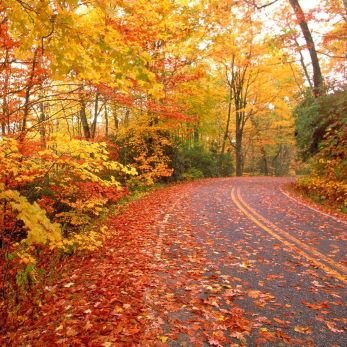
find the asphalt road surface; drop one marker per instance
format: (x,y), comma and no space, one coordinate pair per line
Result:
(242,263)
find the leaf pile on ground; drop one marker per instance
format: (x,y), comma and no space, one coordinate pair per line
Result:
(99,297)
(110,296)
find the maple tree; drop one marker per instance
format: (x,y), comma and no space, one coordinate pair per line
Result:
(301,20)
(258,80)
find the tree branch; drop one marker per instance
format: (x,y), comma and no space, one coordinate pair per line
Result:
(253,3)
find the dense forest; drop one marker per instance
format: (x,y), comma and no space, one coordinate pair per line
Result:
(101,98)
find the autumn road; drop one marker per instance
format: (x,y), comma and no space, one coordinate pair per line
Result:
(242,262)
(217,262)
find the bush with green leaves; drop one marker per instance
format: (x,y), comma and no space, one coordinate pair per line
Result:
(198,162)
(322,137)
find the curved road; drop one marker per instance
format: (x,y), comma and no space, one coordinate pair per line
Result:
(216,262)
(241,263)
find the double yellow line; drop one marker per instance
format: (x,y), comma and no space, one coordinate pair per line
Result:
(318,259)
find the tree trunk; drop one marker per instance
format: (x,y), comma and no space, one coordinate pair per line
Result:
(96,113)
(226,133)
(196,135)
(116,121)
(27,97)
(84,120)
(266,165)
(239,166)
(238,146)
(317,73)
(126,118)
(42,128)
(5,112)
(303,65)
(106,120)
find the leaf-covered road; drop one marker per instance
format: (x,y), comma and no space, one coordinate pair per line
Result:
(218,262)
(242,244)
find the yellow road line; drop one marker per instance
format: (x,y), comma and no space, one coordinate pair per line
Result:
(288,236)
(247,211)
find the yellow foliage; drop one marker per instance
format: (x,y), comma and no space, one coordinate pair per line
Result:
(146,146)
(25,257)
(84,160)
(77,175)
(324,189)
(15,168)
(89,241)
(40,228)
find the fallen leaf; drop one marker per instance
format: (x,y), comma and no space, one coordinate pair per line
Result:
(163,339)
(303,330)
(254,294)
(316,306)
(214,342)
(332,327)
(71,332)
(68,285)
(231,293)
(88,326)
(280,321)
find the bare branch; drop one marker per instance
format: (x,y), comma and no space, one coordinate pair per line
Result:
(253,3)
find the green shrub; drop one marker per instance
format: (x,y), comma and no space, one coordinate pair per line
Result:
(327,151)
(191,160)
(191,174)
